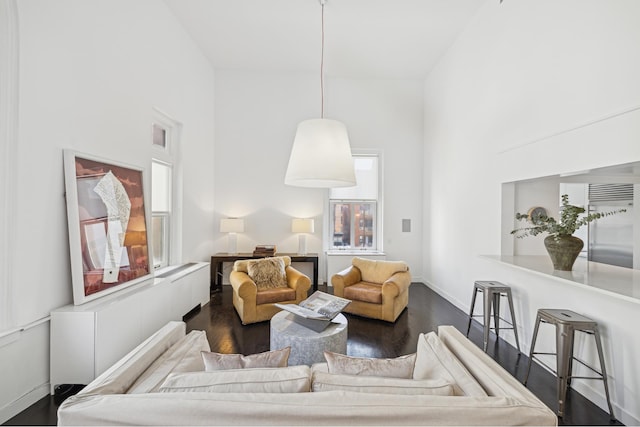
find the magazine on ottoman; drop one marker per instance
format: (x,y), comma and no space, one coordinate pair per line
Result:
(317,311)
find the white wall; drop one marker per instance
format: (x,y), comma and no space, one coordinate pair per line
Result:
(90,75)
(256,119)
(521,71)
(543,193)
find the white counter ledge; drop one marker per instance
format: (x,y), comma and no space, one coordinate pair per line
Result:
(607,279)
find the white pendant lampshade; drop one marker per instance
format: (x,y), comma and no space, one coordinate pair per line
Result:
(321,156)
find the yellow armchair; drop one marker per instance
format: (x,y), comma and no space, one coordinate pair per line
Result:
(255,304)
(377,289)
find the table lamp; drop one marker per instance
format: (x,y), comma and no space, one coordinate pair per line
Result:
(302,226)
(232,226)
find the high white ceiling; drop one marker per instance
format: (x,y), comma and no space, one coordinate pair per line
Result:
(363,38)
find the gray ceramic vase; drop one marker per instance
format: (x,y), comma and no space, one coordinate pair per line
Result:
(563,251)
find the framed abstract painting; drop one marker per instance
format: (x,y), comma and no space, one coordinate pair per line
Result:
(107,218)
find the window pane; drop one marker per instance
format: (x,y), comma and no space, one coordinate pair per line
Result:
(366,169)
(161,190)
(159,136)
(159,240)
(363,230)
(353,225)
(160,187)
(341,219)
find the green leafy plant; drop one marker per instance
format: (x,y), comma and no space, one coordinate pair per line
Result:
(568,224)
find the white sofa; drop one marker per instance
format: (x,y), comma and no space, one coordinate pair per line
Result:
(146,388)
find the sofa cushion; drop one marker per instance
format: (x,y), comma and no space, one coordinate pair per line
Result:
(270,296)
(267,359)
(293,379)
(183,356)
(365,384)
(434,360)
(267,273)
(399,367)
(320,367)
(378,271)
(364,291)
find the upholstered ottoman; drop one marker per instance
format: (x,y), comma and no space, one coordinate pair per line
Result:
(307,346)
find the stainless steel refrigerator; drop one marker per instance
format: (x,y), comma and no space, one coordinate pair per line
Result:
(611,237)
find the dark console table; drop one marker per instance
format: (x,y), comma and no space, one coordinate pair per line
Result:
(218,259)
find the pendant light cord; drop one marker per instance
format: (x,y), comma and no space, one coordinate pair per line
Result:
(322,63)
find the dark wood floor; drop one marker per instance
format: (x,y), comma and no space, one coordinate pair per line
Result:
(367,338)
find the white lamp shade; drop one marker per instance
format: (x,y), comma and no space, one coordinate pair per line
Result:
(321,156)
(231,225)
(302,225)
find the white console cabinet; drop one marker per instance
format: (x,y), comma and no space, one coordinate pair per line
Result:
(89,338)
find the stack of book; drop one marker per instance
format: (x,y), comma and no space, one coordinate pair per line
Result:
(264,250)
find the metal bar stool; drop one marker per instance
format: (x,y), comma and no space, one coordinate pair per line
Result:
(566,323)
(492,292)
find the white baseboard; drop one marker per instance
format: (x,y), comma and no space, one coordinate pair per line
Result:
(14,408)
(459,304)
(594,393)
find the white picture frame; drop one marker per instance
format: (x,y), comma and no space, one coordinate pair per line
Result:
(108,222)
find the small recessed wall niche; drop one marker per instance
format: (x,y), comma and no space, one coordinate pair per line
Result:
(613,240)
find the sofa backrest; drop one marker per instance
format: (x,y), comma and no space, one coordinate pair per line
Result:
(378,271)
(183,356)
(119,378)
(493,378)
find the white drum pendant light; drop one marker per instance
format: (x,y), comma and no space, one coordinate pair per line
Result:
(321,155)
